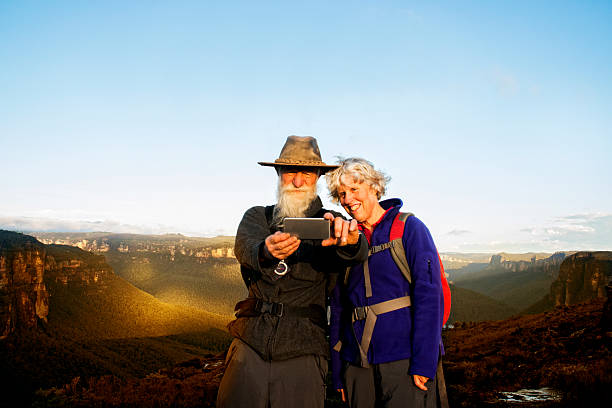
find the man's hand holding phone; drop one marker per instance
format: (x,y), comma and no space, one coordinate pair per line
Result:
(281,244)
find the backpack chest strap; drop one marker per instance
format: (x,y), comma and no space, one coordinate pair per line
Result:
(378,248)
(370,313)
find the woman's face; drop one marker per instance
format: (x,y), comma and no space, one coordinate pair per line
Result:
(358,199)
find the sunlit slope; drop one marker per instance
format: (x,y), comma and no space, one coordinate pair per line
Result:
(189,271)
(120,310)
(213,285)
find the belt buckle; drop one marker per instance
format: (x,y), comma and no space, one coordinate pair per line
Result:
(360,312)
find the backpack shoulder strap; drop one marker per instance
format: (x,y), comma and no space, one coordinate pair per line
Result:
(250,276)
(269,212)
(398,252)
(397,228)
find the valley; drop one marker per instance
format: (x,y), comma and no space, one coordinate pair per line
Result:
(201,273)
(115,318)
(65,314)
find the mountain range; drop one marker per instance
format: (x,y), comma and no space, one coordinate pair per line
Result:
(128,305)
(203,273)
(516,282)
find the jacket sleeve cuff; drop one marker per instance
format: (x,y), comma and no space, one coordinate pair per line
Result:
(420,368)
(357,252)
(264,257)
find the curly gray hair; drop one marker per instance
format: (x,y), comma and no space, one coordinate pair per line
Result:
(361,171)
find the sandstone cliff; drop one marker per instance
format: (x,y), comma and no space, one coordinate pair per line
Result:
(28,266)
(24,299)
(70,265)
(582,276)
(513,263)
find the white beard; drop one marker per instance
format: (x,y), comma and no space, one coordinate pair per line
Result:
(292,204)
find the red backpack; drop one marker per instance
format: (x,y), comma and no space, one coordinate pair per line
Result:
(398,253)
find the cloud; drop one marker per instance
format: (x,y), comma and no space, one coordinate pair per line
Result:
(583,217)
(587,231)
(576,231)
(457,232)
(41,224)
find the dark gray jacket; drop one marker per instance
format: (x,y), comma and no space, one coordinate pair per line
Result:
(284,337)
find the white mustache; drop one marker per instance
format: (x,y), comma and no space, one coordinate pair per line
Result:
(293,189)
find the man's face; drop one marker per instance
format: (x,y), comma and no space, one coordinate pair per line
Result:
(298,179)
(358,199)
(297,188)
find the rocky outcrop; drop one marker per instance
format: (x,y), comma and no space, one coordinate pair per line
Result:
(222,253)
(550,263)
(24,300)
(70,265)
(28,266)
(174,246)
(582,276)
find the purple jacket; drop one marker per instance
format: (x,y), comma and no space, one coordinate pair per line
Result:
(414,332)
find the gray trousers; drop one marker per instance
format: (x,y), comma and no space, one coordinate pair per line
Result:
(249,381)
(387,385)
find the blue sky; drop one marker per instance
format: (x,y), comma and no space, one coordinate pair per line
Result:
(493,119)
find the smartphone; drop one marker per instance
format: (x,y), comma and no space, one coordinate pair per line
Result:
(307,228)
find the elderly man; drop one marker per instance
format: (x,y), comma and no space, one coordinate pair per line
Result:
(279,354)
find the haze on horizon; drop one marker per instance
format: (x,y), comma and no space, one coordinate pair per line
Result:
(492,118)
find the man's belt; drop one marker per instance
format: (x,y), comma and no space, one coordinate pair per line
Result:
(370,314)
(251,307)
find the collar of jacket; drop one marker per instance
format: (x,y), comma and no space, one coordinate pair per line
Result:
(391,207)
(391,202)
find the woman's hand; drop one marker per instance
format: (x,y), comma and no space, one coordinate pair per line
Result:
(420,381)
(343,232)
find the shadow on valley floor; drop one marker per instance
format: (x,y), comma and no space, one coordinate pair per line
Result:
(41,359)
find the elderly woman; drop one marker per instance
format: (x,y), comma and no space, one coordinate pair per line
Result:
(385,330)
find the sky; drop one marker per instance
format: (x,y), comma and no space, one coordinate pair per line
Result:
(493,119)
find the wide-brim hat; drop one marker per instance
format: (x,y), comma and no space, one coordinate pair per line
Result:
(301,151)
